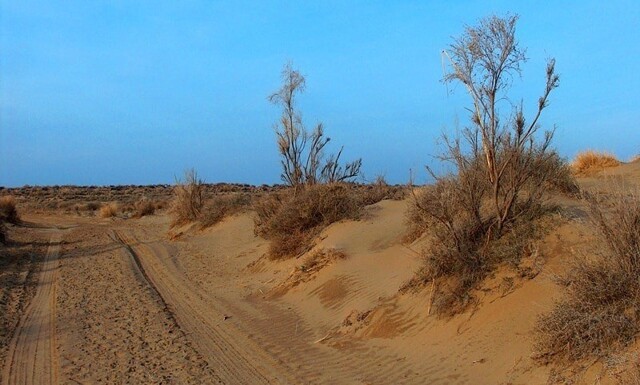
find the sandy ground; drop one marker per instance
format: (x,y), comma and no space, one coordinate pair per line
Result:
(117,301)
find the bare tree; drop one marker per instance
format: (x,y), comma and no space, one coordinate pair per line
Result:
(302,152)
(485,59)
(483,214)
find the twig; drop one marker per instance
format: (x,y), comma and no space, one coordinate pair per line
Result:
(323,338)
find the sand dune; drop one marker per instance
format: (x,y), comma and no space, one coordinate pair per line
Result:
(119,301)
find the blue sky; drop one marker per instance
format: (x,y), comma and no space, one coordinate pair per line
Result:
(121,92)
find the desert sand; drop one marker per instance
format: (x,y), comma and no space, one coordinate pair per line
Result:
(117,301)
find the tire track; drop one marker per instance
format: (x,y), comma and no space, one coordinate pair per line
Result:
(231,354)
(262,342)
(32,356)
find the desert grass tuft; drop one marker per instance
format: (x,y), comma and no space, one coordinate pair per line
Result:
(109,210)
(188,199)
(590,162)
(601,310)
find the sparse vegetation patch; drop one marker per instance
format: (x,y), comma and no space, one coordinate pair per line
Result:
(601,310)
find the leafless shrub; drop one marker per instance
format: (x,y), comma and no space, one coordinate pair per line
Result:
(302,152)
(188,199)
(590,162)
(291,220)
(601,311)
(222,206)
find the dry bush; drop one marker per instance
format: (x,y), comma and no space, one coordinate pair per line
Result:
(381,190)
(144,207)
(590,162)
(466,244)
(222,206)
(290,220)
(601,311)
(109,210)
(188,199)
(8,210)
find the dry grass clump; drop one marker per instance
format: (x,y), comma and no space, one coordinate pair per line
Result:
(590,162)
(109,210)
(144,207)
(290,220)
(601,311)
(8,210)
(188,199)
(222,206)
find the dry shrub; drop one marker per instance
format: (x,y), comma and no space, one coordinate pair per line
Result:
(290,220)
(8,210)
(222,206)
(144,207)
(91,206)
(380,190)
(188,199)
(601,311)
(590,162)
(466,242)
(109,210)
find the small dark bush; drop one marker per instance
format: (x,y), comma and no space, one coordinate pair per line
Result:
(8,210)
(144,207)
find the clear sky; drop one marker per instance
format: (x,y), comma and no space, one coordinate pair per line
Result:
(134,92)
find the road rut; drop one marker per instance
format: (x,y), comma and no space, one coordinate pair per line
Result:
(32,357)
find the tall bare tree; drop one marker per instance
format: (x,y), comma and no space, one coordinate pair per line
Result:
(302,152)
(485,59)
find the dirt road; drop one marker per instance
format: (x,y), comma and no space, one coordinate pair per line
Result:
(32,357)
